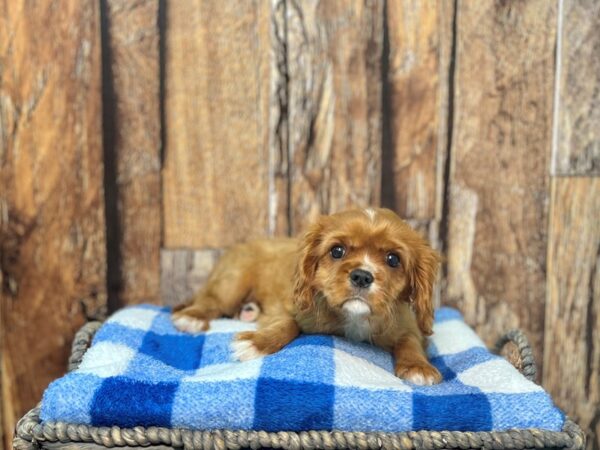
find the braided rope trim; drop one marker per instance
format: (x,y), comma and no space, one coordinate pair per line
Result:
(31,434)
(81,342)
(517,337)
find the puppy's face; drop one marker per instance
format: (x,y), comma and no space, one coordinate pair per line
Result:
(365,262)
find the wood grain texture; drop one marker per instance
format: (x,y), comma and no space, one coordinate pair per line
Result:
(132,122)
(571,369)
(413,78)
(446,69)
(217,188)
(334,107)
(578,84)
(279,163)
(184,272)
(497,224)
(52,241)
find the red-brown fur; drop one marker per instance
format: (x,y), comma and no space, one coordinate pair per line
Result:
(300,287)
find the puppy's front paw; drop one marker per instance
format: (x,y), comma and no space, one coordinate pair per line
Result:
(244,348)
(423,374)
(189,324)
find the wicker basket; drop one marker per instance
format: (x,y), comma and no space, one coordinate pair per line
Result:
(31,434)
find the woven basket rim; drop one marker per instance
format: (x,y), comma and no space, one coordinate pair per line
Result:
(31,432)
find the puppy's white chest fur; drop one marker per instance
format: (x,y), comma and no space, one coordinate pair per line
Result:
(356,323)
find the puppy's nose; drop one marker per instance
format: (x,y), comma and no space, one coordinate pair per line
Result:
(361,278)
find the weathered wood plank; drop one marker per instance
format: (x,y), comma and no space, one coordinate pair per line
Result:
(184,272)
(497,224)
(132,142)
(446,69)
(279,164)
(412,99)
(52,240)
(416,61)
(218,178)
(578,97)
(334,64)
(571,369)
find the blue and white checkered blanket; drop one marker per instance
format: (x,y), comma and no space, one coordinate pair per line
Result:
(141,371)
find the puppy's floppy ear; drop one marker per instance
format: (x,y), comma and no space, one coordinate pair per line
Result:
(425,262)
(304,291)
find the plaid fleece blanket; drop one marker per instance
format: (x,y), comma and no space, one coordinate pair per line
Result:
(141,371)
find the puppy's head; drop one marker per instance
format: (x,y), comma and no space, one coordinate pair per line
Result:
(364,262)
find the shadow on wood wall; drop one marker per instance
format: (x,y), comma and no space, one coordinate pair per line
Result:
(139,138)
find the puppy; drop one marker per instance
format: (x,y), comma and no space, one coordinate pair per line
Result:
(362,274)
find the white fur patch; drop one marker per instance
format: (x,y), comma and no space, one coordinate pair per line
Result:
(188,324)
(356,323)
(370,212)
(229,325)
(368,264)
(356,307)
(420,379)
(245,350)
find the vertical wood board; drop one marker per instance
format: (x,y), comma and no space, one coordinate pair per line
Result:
(414,93)
(279,164)
(52,241)
(418,38)
(133,142)
(334,107)
(578,97)
(217,105)
(499,165)
(571,370)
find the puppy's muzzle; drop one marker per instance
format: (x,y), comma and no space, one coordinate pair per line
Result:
(361,278)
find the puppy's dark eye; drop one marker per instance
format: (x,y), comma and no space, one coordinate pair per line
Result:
(392,260)
(337,252)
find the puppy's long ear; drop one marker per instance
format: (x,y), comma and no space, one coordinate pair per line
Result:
(423,273)
(304,291)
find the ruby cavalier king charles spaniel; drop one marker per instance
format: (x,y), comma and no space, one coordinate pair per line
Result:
(363,274)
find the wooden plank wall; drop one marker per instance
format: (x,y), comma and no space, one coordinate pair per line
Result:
(334,54)
(217,79)
(571,369)
(52,234)
(132,130)
(499,159)
(221,121)
(415,110)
